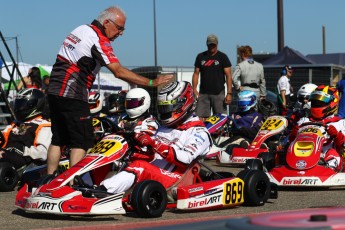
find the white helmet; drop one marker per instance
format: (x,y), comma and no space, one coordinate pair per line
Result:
(137,102)
(305,91)
(95,102)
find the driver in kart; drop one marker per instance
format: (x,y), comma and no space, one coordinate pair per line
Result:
(324,104)
(245,124)
(27,139)
(181,139)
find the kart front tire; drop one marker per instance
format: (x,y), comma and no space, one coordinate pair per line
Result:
(256,187)
(149,199)
(8,177)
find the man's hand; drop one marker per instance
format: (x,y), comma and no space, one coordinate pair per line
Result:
(196,93)
(228,99)
(162,80)
(144,139)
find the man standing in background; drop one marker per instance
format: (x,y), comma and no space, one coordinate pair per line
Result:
(284,90)
(249,74)
(214,68)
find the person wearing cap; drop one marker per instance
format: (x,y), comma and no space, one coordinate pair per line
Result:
(249,74)
(284,90)
(214,68)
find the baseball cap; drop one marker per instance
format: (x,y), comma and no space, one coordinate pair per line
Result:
(212,39)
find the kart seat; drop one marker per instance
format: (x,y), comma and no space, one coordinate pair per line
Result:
(191,176)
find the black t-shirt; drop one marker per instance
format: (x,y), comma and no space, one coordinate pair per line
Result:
(212,77)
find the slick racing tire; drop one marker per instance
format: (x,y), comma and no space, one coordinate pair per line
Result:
(149,199)
(8,177)
(256,187)
(254,164)
(268,159)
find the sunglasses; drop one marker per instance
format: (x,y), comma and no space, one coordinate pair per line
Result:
(120,28)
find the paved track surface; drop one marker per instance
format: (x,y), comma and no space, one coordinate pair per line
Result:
(13,218)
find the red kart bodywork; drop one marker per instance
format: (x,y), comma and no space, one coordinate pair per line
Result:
(189,193)
(303,166)
(272,126)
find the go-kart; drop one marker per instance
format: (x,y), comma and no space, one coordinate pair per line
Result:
(34,171)
(218,126)
(234,154)
(303,165)
(200,188)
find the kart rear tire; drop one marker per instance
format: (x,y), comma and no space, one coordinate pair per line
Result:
(268,159)
(256,187)
(149,199)
(8,177)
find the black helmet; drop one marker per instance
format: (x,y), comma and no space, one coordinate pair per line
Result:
(28,103)
(116,102)
(267,108)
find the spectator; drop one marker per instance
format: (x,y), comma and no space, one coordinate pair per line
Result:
(249,74)
(33,80)
(28,139)
(284,90)
(45,81)
(181,139)
(84,51)
(212,65)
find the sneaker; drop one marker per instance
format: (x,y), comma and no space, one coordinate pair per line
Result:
(223,158)
(333,164)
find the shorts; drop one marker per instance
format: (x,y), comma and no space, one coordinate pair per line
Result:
(71,123)
(206,102)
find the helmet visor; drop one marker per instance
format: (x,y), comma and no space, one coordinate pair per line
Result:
(319,99)
(132,103)
(244,102)
(169,106)
(21,104)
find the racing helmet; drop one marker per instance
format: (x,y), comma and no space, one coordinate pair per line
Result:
(28,103)
(102,127)
(324,101)
(267,108)
(137,102)
(116,102)
(176,102)
(95,102)
(246,100)
(305,91)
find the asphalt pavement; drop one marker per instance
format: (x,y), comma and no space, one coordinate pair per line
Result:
(13,218)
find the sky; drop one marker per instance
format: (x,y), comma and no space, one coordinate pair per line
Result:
(182,27)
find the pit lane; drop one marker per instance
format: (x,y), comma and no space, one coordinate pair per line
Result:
(13,218)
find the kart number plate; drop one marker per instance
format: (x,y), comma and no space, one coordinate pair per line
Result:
(312,129)
(233,192)
(272,124)
(106,147)
(212,119)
